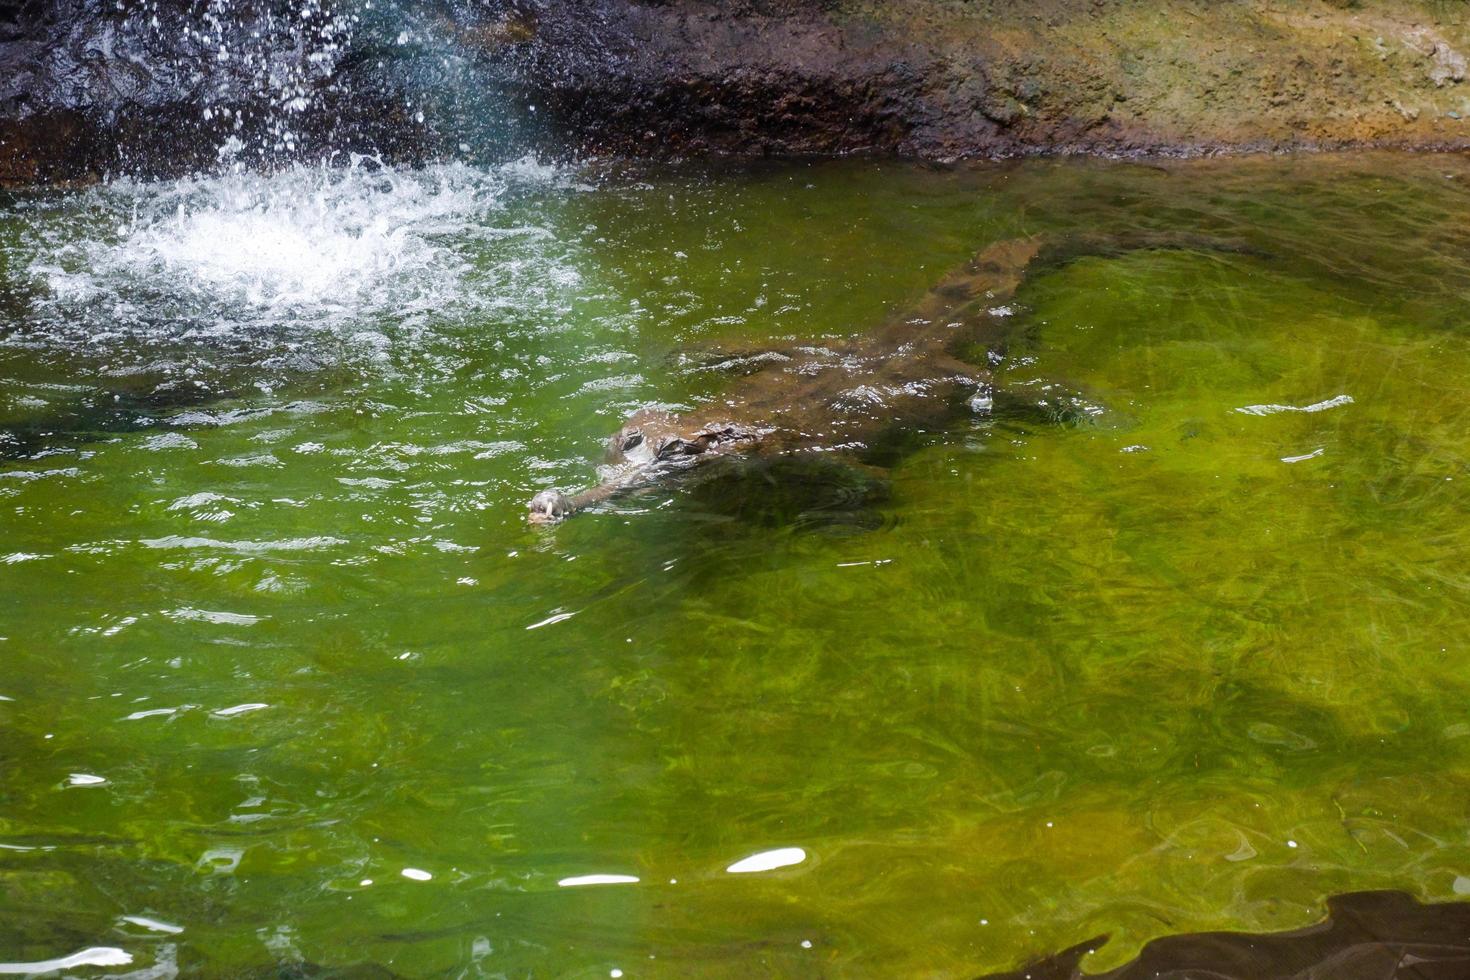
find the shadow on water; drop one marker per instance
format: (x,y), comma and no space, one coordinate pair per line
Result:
(804,492)
(1366,936)
(841,493)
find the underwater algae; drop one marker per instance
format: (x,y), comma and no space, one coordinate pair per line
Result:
(1171,640)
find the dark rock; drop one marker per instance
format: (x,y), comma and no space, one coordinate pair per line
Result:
(89,87)
(945,78)
(1366,936)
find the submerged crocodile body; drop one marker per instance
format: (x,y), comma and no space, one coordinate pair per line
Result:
(837,398)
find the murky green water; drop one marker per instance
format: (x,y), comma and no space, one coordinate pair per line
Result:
(273,631)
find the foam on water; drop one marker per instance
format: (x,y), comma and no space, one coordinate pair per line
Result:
(241,280)
(274,246)
(316,239)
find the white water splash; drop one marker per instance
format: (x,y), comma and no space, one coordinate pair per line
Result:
(307,236)
(275,57)
(356,250)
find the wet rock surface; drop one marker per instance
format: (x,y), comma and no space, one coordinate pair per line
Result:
(1367,936)
(169,86)
(88,87)
(942,78)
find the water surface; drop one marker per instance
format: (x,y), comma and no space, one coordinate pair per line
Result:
(1172,640)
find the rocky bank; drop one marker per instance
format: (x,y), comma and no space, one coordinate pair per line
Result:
(944,78)
(88,87)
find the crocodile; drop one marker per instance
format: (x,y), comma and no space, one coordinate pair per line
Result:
(837,398)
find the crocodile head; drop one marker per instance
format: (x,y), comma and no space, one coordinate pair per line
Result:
(652,437)
(648,445)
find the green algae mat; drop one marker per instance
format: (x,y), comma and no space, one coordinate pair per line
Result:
(1173,638)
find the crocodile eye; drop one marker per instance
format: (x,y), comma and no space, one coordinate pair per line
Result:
(632,441)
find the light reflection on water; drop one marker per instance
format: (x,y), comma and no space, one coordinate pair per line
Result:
(1059,672)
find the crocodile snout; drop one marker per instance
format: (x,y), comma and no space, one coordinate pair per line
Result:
(548,507)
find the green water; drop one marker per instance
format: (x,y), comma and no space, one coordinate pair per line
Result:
(1158,666)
